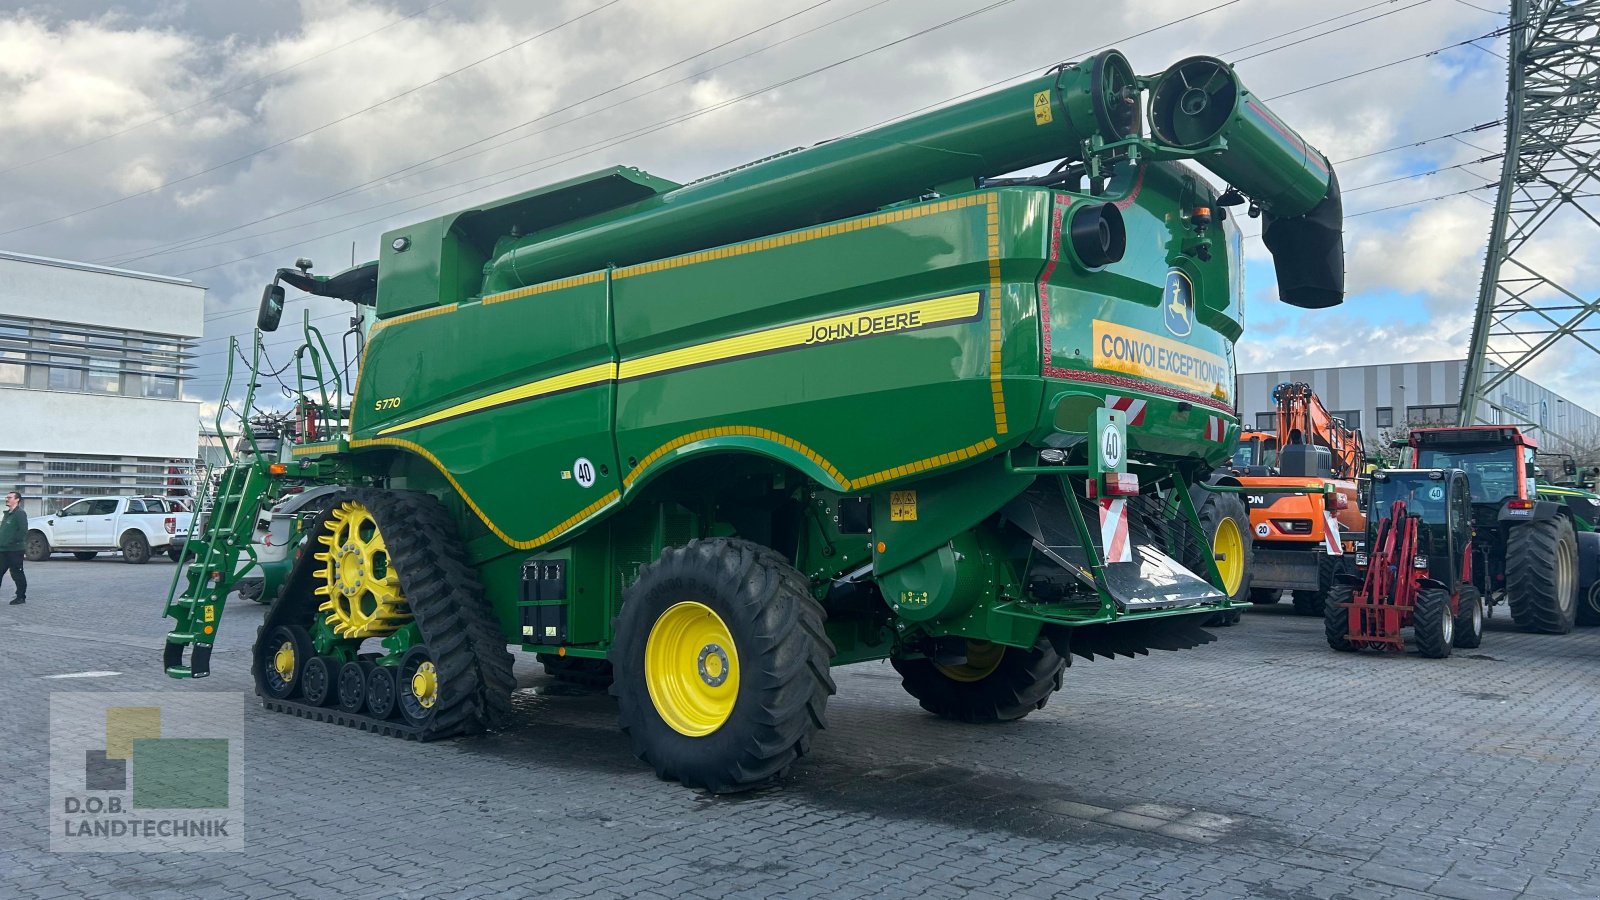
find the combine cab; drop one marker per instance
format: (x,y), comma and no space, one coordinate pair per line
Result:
(1525,548)
(1415,571)
(873,399)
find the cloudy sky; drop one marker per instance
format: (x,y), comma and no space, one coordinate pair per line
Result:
(217,140)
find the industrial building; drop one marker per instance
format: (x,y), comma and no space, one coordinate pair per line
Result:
(92,366)
(1380,399)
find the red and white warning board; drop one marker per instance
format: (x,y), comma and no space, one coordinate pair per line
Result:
(1330,534)
(1130,405)
(1114,530)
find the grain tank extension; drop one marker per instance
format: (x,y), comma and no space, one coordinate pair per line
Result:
(879,398)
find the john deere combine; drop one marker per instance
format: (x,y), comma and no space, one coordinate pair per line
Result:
(870,399)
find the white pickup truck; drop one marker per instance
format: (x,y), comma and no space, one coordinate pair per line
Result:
(136,526)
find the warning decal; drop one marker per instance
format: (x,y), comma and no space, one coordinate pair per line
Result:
(1041,108)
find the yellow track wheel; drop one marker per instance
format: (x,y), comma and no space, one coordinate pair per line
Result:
(425,685)
(1227,545)
(283,661)
(983,657)
(362,589)
(691,668)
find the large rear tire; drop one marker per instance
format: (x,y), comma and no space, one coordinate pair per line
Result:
(1432,625)
(1589,606)
(721,665)
(996,684)
(1588,578)
(1542,575)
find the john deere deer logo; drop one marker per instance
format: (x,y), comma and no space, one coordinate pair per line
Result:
(1177,304)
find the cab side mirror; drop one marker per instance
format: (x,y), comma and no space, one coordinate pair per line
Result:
(1532,470)
(1569,466)
(271,308)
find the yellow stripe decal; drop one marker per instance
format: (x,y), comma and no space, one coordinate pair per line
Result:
(411,317)
(597,374)
(849,484)
(800,237)
(572,522)
(826,330)
(545,288)
(309,449)
(996,386)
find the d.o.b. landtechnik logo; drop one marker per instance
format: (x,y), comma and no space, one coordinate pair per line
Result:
(146,771)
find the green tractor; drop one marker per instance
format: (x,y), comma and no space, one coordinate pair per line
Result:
(879,398)
(1584,507)
(1526,550)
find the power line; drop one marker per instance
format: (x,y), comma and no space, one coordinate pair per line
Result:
(1484,126)
(1498,32)
(640,132)
(222,93)
(1460,165)
(1322,34)
(635,134)
(1419,202)
(191,243)
(254,153)
(1267,40)
(627,136)
(604,143)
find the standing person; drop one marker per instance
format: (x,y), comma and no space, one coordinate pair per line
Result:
(13,531)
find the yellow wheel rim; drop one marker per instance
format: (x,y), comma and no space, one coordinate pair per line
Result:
(1227,544)
(425,685)
(983,657)
(361,587)
(283,661)
(691,669)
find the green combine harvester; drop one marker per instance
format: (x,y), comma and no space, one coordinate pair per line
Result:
(880,398)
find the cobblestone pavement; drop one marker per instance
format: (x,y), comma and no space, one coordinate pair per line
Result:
(1264,765)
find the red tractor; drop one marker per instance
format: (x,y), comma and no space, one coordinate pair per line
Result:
(1415,570)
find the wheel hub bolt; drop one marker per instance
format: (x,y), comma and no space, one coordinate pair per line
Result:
(713,665)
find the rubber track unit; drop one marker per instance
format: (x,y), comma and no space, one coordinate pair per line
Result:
(784,654)
(1531,575)
(446,600)
(334,716)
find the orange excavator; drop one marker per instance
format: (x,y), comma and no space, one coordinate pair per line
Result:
(1299,541)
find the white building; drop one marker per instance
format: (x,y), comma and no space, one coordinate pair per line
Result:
(1382,397)
(92,365)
